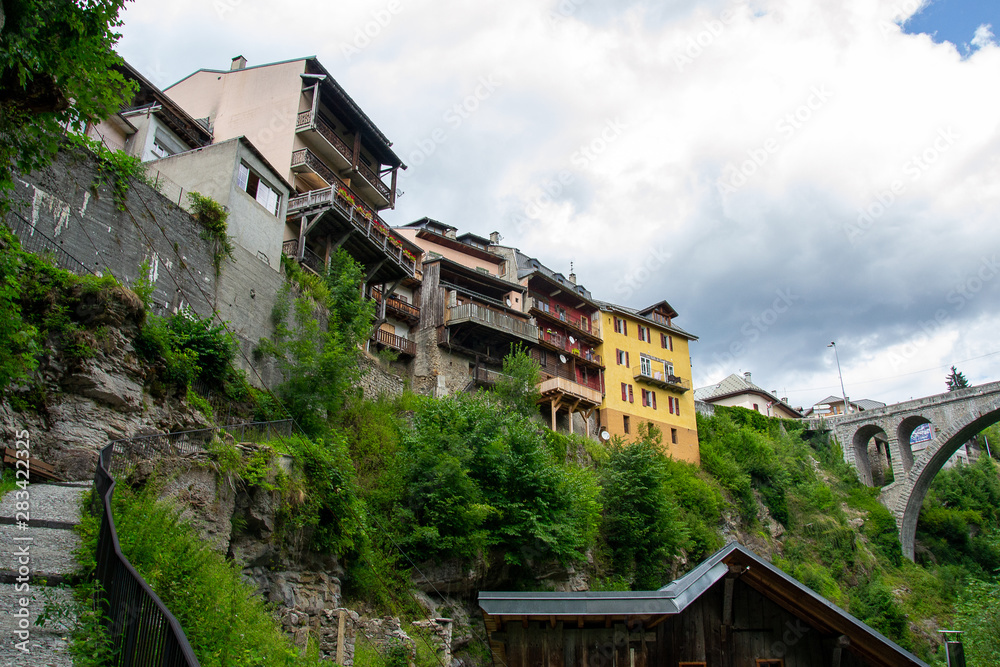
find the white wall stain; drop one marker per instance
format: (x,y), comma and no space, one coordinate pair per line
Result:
(43,202)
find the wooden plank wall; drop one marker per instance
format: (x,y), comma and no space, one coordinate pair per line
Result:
(760,629)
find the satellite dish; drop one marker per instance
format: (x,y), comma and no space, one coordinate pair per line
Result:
(572,340)
(605,436)
(562,358)
(508,302)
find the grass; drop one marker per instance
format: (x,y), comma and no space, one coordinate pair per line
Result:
(8,481)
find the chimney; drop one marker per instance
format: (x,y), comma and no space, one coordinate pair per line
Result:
(494,238)
(239,62)
(572,275)
(747,376)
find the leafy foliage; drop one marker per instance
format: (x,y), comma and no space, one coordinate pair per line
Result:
(518,384)
(185,348)
(57,70)
(213,218)
(317,345)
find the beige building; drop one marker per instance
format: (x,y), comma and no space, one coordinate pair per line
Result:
(740,391)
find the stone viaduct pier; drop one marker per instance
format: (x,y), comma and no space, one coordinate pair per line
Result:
(956,416)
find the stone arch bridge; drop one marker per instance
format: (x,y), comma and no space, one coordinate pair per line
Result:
(956,416)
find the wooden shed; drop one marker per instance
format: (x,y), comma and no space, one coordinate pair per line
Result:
(733,610)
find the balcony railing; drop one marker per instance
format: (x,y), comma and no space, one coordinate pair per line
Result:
(310,259)
(397,305)
(661,379)
(363,218)
(562,342)
(398,343)
(307,121)
(575,389)
(473,312)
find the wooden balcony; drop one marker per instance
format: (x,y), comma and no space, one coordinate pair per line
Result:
(308,258)
(404,311)
(561,386)
(320,136)
(394,342)
(661,379)
(493,319)
(561,343)
(345,205)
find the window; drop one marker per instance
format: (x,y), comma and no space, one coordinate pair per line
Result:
(624,391)
(251,183)
(625,425)
(668,367)
(667,342)
(621,326)
(621,356)
(649,399)
(756,407)
(159,150)
(674,405)
(673,440)
(562,313)
(644,366)
(643,333)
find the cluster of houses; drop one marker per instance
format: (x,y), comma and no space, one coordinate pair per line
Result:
(304,171)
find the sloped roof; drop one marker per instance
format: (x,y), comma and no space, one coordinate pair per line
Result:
(733,386)
(607,306)
(673,598)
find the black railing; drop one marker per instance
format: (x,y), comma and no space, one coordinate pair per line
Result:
(141,628)
(38,243)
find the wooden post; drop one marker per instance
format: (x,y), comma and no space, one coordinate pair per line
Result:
(341,639)
(392,193)
(357,151)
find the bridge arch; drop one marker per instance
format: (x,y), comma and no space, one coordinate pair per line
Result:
(903,434)
(867,473)
(929,464)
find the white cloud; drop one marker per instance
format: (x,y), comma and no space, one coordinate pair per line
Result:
(903,124)
(983,37)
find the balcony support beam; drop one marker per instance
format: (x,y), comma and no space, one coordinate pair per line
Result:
(357,152)
(372,271)
(392,192)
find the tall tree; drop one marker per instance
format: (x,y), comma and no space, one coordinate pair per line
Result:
(57,71)
(956,380)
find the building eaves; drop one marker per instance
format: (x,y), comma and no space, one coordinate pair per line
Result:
(198,134)
(609,307)
(527,266)
(493,281)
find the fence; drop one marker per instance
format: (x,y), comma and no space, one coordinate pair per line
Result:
(143,632)
(36,242)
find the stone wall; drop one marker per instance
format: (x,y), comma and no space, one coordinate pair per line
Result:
(378,380)
(67,203)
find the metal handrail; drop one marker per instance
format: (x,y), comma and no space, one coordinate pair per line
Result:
(141,628)
(34,241)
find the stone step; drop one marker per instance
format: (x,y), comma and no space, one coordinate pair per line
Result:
(47,502)
(49,550)
(47,646)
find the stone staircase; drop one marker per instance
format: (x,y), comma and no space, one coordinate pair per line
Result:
(48,538)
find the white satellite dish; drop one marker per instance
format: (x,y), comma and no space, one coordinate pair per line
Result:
(572,340)
(562,358)
(605,436)
(508,302)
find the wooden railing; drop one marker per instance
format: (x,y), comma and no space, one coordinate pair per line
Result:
(404,345)
(363,218)
(396,304)
(473,312)
(310,259)
(572,388)
(306,120)
(562,342)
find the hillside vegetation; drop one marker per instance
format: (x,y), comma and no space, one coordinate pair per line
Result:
(477,479)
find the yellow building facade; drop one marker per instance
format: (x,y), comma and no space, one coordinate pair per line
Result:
(647,377)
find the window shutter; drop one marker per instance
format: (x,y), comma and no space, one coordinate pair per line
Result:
(624,392)
(244,176)
(670,339)
(624,327)
(653,393)
(626,360)
(631,397)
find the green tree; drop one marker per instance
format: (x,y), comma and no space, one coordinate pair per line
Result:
(319,348)
(57,71)
(956,380)
(640,516)
(978,615)
(518,386)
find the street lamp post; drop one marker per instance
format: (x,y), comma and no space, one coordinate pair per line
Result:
(847,406)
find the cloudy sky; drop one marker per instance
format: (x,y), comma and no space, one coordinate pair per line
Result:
(784,172)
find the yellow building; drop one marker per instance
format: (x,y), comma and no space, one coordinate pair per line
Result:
(647,377)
